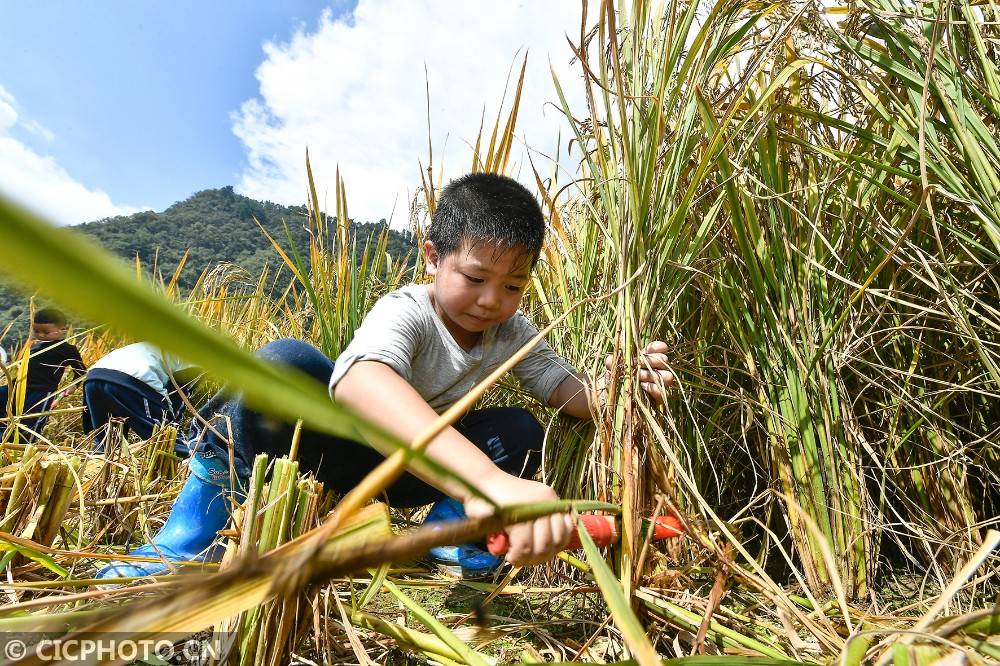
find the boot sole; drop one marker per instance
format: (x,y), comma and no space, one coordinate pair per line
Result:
(458,572)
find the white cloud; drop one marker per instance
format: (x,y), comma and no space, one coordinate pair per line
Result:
(38,182)
(353,92)
(8,114)
(39,130)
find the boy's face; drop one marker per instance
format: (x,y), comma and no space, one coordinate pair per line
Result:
(477,286)
(49,332)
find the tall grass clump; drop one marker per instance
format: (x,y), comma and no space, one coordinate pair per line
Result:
(805,211)
(916,138)
(274,513)
(336,282)
(645,216)
(34,499)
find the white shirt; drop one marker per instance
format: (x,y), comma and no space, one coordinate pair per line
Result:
(145,362)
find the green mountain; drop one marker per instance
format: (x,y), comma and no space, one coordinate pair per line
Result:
(214,226)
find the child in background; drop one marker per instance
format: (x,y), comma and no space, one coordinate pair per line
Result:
(418,351)
(136,383)
(50,357)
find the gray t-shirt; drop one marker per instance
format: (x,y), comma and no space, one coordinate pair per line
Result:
(403,331)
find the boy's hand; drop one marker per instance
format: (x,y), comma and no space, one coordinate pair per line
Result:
(532,542)
(59,396)
(654,375)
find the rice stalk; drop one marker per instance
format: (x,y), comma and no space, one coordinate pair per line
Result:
(39,497)
(275,512)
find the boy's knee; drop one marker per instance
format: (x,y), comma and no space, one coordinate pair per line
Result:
(286,350)
(299,355)
(523,437)
(528,429)
(515,439)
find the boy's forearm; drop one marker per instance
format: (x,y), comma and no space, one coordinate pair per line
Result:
(574,396)
(374,391)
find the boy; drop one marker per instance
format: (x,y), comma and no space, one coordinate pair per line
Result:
(136,383)
(417,352)
(50,356)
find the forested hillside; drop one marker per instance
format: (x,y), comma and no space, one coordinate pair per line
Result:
(213,226)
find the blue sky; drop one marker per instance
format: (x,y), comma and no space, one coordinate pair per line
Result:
(111,106)
(100,75)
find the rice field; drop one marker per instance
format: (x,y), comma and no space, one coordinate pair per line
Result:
(803,201)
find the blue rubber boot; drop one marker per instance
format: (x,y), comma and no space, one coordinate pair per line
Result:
(467,560)
(199,512)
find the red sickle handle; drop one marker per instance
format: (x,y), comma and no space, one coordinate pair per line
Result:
(602,529)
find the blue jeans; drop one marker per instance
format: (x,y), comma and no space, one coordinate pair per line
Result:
(142,408)
(34,402)
(510,436)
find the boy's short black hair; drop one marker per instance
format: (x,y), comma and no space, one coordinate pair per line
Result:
(487,207)
(50,316)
